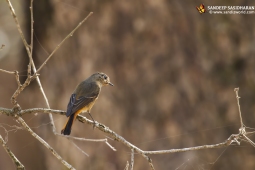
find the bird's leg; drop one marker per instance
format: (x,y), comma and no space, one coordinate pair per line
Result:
(93,120)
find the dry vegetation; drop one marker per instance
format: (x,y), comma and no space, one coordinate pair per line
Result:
(170,78)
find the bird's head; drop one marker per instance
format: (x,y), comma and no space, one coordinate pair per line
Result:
(102,78)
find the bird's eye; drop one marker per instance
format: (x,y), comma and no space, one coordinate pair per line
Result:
(105,77)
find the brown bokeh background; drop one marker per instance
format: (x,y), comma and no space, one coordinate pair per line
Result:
(174,72)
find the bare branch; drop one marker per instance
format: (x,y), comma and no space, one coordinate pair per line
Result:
(19,29)
(42,110)
(9,72)
(239,109)
(116,137)
(127,166)
(110,146)
(10,112)
(19,89)
(17,22)
(17,78)
(82,139)
(45,98)
(16,73)
(69,35)
(31,40)
(5,111)
(88,140)
(132,159)
(32,26)
(219,145)
(234,138)
(119,138)
(107,130)
(14,129)
(78,148)
(20,120)
(150,162)
(113,134)
(19,165)
(250,141)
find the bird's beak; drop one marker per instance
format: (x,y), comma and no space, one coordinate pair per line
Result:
(110,84)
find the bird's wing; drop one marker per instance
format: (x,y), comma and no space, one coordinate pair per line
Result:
(76,104)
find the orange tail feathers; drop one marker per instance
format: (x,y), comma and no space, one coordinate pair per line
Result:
(68,127)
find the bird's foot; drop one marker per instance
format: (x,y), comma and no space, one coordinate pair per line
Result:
(94,124)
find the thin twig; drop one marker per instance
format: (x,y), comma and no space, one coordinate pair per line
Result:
(249,133)
(15,129)
(17,78)
(250,141)
(17,22)
(69,35)
(31,39)
(9,72)
(20,88)
(5,111)
(239,109)
(45,98)
(108,144)
(20,120)
(32,26)
(219,145)
(132,159)
(18,26)
(82,139)
(150,162)
(9,112)
(79,148)
(19,165)
(88,140)
(127,166)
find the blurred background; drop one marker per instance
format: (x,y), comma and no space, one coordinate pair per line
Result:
(174,72)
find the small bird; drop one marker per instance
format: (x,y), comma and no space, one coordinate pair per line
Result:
(84,97)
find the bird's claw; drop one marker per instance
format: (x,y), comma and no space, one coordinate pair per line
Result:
(94,124)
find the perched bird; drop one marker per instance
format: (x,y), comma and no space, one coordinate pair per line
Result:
(84,97)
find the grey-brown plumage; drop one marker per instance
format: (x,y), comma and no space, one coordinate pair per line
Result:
(84,97)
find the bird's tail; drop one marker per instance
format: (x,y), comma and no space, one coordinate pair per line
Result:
(68,127)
